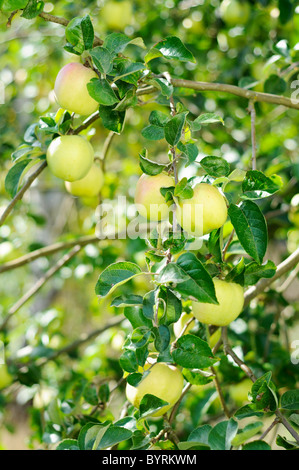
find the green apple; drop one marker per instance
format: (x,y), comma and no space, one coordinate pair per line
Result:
(202,213)
(163,381)
(148,198)
(180,324)
(71,89)
(117,14)
(234,12)
(239,392)
(70,157)
(5,378)
(89,186)
(230,298)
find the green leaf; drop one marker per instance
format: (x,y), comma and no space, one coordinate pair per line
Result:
(275,85)
(172,48)
(247,433)
(114,435)
(164,86)
(174,127)
(153,132)
(125,300)
(136,316)
(221,436)
(199,283)
(257,445)
(157,118)
(80,34)
(201,434)
(32,9)
(290,400)
(102,59)
(206,118)
(68,444)
(237,273)
(192,352)
(111,119)
(263,394)
(255,271)
(172,306)
(149,167)
(190,151)
(162,338)
(130,69)
(90,394)
(183,189)
(256,185)
(14,175)
(215,166)
(10,5)
(128,361)
(117,42)
(172,273)
(214,245)
(286,10)
(115,275)
(247,411)
(101,91)
(251,228)
(150,404)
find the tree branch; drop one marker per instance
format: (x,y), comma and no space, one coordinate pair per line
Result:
(22,191)
(36,287)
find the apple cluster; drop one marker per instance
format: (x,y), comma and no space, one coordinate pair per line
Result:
(71,157)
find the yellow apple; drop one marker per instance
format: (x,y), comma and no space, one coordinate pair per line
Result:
(148,199)
(230,298)
(214,338)
(5,378)
(163,381)
(71,89)
(180,324)
(70,157)
(89,186)
(117,14)
(202,213)
(234,12)
(239,392)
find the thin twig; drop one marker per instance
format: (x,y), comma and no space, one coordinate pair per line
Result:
(36,287)
(22,191)
(251,109)
(220,394)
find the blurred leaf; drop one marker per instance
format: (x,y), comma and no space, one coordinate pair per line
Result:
(290,400)
(275,85)
(14,176)
(32,9)
(215,166)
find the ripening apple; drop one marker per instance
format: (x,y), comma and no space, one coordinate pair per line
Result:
(239,392)
(202,213)
(235,12)
(148,198)
(117,14)
(89,186)
(71,89)
(163,381)
(180,324)
(5,377)
(230,298)
(70,157)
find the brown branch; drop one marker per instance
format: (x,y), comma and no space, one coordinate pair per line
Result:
(37,286)
(286,265)
(220,394)
(22,191)
(64,22)
(251,109)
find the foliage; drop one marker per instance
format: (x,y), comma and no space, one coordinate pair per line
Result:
(94,317)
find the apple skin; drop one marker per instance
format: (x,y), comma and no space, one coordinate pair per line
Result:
(234,12)
(89,186)
(5,378)
(231,300)
(71,89)
(163,381)
(239,392)
(117,15)
(70,157)
(202,213)
(179,325)
(151,204)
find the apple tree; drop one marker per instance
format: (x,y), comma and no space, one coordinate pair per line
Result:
(149,224)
